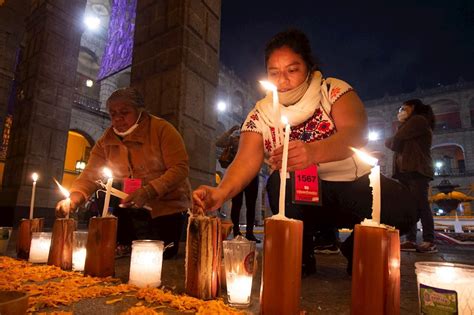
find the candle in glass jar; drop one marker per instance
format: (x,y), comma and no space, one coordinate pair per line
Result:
(39,249)
(445,287)
(239,288)
(79,250)
(145,263)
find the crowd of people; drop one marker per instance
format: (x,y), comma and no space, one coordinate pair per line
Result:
(327,119)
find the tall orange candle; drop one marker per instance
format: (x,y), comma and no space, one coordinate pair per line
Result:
(281,280)
(376,271)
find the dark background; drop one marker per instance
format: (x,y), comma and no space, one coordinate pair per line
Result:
(384,47)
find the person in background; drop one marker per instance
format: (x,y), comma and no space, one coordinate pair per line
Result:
(413,166)
(148,159)
(250,191)
(327,118)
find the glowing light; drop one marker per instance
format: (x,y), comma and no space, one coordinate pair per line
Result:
(221,106)
(439,164)
(107,172)
(284,120)
(34,176)
(374,136)
(365,157)
(92,22)
(89,83)
(63,190)
(268,85)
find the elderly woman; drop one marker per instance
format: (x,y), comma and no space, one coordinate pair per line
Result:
(327,118)
(147,156)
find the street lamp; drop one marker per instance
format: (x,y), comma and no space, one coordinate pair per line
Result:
(92,22)
(221,106)
(80,166)
(374,136)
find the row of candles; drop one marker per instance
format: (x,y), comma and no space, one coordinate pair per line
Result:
(146,258)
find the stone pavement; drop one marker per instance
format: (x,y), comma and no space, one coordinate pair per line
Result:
(326,292)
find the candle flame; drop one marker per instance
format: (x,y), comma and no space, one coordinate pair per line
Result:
(284,120)
(63,190)
(35,176)
(268,86)
(365,157)
(107,172)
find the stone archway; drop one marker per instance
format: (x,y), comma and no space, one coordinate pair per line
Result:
(448,159)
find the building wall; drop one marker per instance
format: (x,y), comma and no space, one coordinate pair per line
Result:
(453,106)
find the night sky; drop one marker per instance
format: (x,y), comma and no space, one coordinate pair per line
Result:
(378,48)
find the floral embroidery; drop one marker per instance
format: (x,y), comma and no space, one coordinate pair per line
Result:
(324,126)
(254,117)
(268,145)
(250,125)
(335,91)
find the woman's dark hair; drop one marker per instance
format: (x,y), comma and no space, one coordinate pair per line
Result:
(297,41)
(422,109)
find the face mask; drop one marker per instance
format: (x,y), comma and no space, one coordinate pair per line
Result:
(129,130)
(292,96)
(402,116)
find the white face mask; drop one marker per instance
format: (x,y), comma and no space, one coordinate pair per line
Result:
(293,96)
(129,130)
(402,116)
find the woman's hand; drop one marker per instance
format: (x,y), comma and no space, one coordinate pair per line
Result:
(66,206)
(139,197)
(299,156)
(207,198)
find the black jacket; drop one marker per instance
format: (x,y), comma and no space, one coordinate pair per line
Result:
(412,147)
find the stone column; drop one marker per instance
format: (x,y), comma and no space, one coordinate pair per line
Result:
(42,114)
(175,65)
(107,86)
(12,28)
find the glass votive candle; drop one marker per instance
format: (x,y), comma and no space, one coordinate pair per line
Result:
(146,263)
(79,250)
(445,288)
(239,261)
(39,248)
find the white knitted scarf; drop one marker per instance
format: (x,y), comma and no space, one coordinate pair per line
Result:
(316,95)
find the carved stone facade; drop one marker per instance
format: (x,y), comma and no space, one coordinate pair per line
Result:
(453,139)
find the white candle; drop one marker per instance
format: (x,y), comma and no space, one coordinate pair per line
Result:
(433,276)
(67,201)
(108,188)
(33,191)
(239,288)
(276,110)
(284,163)
(79,250)
(39,248)
(145,263)
(374,178)
(79,259)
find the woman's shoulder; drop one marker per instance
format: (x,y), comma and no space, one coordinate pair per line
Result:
(336,88)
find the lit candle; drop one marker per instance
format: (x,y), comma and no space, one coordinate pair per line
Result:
(34,176)
(239,261)
(276,109)
(374,178)
(67,201)
(145,263)
(108,188)
(445,287)
(239,288)
(284,163)
(40,244)
(79,250)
